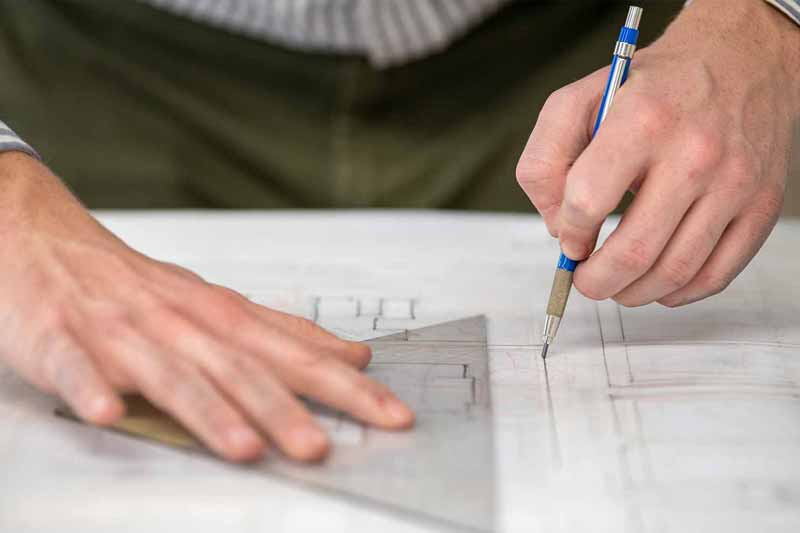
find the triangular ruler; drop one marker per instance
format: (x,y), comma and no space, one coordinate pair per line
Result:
(441,472)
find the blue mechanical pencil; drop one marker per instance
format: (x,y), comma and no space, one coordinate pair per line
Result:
(562,283)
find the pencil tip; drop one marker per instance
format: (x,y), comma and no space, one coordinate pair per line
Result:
(544,350)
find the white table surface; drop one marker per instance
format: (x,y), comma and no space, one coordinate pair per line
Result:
(655,419)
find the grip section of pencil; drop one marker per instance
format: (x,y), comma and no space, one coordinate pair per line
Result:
(559,294)
(562,284)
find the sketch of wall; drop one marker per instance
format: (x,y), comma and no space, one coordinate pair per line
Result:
(705,427)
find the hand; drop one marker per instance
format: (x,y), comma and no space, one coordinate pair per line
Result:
(701,133)
(84,316)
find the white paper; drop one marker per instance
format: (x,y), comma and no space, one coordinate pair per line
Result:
(647,419)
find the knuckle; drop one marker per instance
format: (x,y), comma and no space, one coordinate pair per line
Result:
(564,98)
(653,116)
(223,296)
(633,256)
(702,150)
(540,177)
(226,306)
(581,200)
(362,353)
(712,283)
(180,271)
(534,171)
(677,272)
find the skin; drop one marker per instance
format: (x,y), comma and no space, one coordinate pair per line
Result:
(86,317)
(701,133)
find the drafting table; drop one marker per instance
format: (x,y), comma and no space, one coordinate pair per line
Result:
(645,419)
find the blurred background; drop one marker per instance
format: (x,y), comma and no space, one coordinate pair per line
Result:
(140,107)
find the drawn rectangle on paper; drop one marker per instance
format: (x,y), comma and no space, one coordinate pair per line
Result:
(675,364)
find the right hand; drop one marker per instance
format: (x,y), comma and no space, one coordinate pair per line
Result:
(86,317)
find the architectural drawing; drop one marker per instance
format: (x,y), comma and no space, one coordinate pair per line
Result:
(643,420)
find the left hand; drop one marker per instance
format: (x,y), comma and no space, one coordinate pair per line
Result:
(701,132)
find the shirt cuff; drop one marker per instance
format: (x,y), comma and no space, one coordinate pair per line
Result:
(791,8)
(10,142)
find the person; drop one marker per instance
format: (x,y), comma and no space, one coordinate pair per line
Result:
(419,103)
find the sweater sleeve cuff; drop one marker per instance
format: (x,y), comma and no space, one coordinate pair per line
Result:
(9,141)
(790,8)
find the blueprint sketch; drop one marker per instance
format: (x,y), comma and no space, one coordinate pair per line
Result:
(643,420)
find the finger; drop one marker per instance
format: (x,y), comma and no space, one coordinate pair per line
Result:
(302,366)
(189,397)
(561,133)
(338,385)
(229,314)
(178,388)
(248,382)
(642,234)
(613,161)
(739,243)
(684,255)
(269,404)
(71,373)
(356,354)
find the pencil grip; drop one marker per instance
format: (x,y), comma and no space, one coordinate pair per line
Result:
(562,283)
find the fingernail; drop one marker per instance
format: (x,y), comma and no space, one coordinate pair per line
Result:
(244,439)
(399,412)
(103,409)
(312,440)
(573,250)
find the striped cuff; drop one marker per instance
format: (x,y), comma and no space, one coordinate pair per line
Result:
(9,141)
(790,7)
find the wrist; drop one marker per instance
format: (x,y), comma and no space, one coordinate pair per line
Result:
(20,178)
(33,200)
(759,36)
